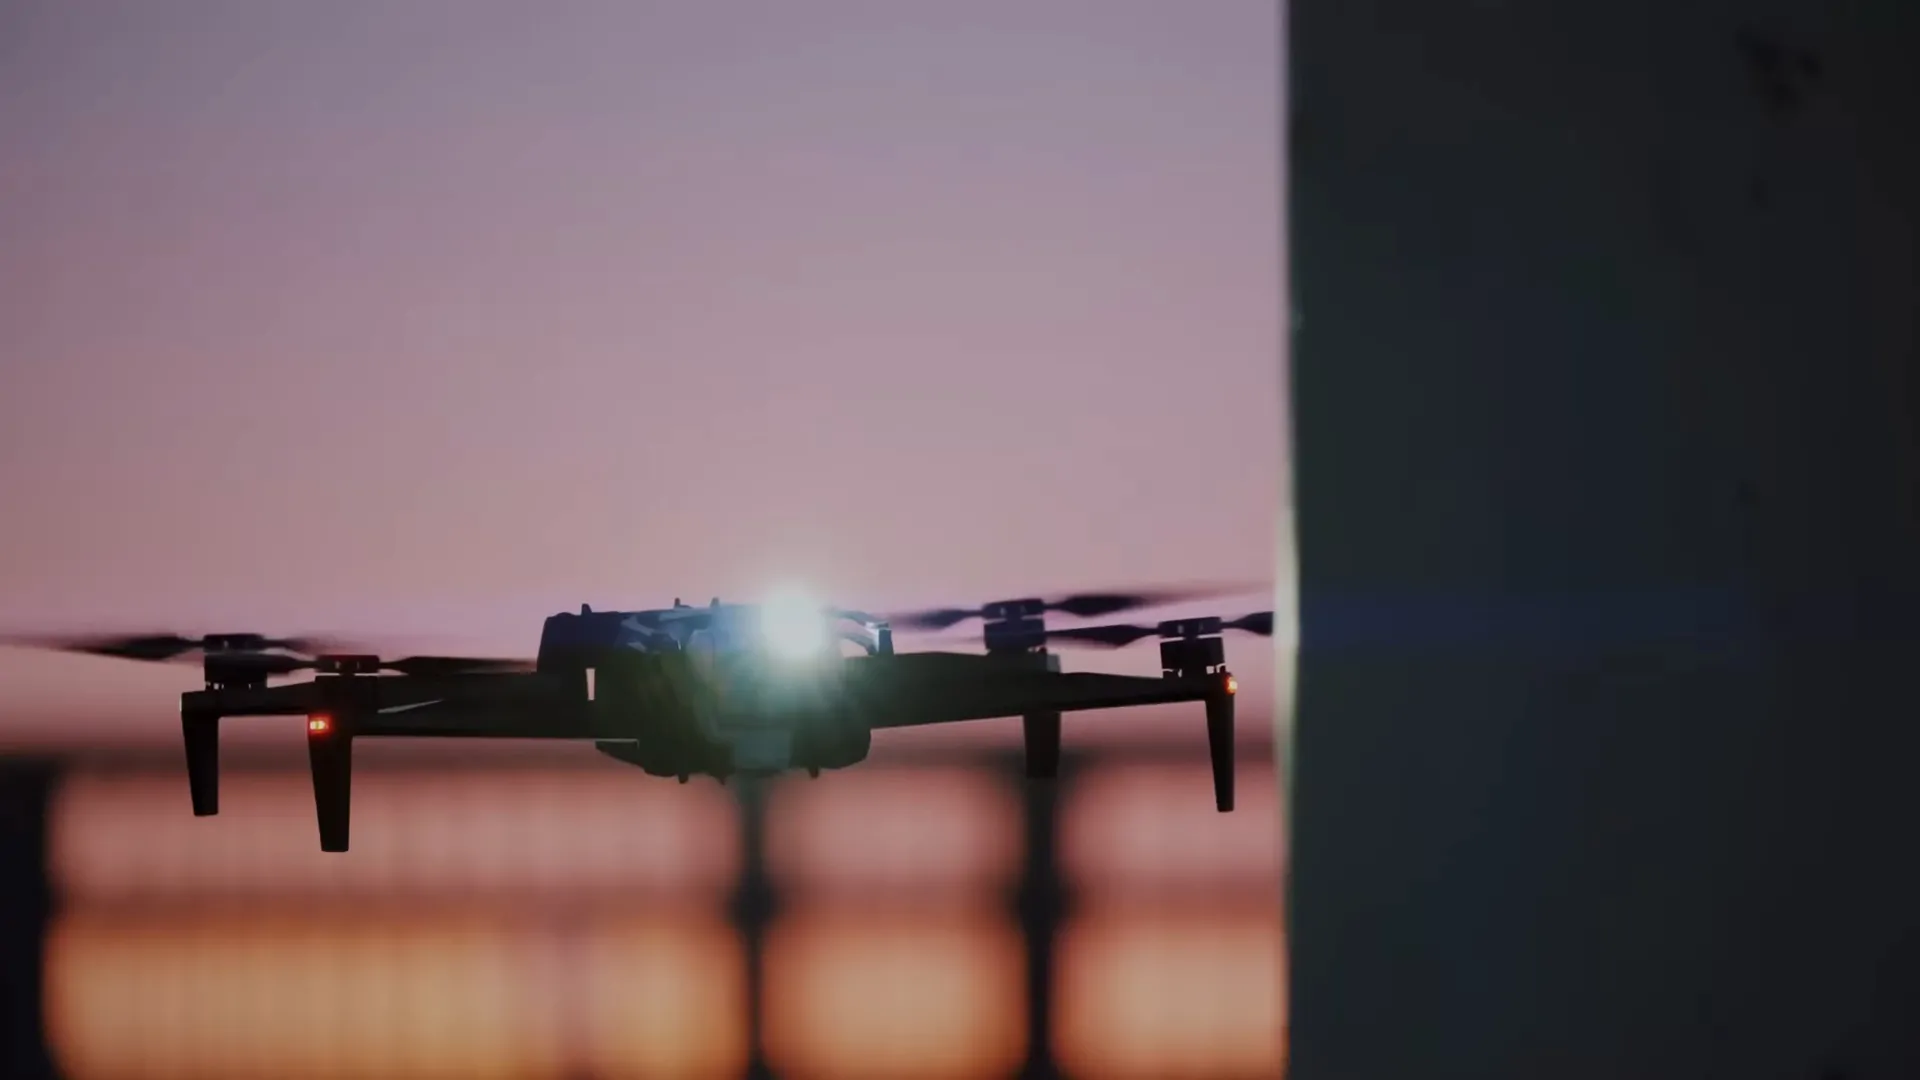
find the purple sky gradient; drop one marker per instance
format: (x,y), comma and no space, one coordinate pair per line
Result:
(436,318)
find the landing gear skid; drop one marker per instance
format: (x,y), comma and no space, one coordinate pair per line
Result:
(345,697)
(1220,748)
(330,756)
(202,734)
(1192,649)
(1041,735)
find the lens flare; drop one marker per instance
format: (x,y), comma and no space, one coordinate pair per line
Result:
(793,624)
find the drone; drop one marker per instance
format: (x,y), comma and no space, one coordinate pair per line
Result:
(718,690)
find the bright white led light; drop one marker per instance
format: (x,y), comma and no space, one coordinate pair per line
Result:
(793,625)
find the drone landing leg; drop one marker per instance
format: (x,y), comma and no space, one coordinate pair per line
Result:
(332,760)
(1042,732)
(1220,749)
(201,731)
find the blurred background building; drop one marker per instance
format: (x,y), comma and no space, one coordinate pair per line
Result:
(927,915)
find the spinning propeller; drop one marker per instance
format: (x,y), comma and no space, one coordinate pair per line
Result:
(1083,605)
(164,647)
(1113,637)
(256,654)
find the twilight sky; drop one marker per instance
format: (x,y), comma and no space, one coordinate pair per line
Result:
(434,318)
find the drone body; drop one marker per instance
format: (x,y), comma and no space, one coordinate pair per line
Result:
(688,691)
(727,688)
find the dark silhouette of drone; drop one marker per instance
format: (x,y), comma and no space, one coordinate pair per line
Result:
(719,690)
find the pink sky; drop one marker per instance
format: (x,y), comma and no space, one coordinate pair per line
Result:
(436,318)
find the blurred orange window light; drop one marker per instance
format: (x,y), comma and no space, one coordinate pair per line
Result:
(894,830)
(658,998)
(1147,827)
(425,996)
(895,998)
(287,998)
(486,831)
(1199,997)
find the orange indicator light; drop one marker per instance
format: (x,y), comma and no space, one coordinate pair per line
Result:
(1233,685)
(319,725)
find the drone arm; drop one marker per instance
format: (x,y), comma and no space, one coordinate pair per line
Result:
(341,709)
(294,699)
(475,705)
(1039,696)
(1215,690)
(500,706)
(1038,691)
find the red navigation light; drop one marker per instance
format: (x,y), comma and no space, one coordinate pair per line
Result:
(1233,685)
(319,725)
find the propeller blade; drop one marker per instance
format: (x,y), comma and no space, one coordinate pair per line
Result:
(161,648)
(1112,637)
(1094,605)
(1082,605)
(935,619)
(430,666)
(1259,622)
(307,646)
(149,647)
(258,664)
